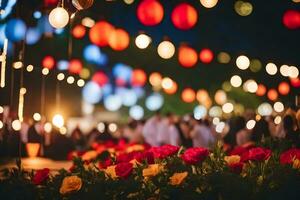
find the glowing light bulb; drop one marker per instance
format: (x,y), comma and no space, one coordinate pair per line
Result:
(59,17)
(16,125)
(278,107)
(166,50)
(209,3)
(60,76)
(58,120)
(45,71)
(37,116)
(271,68)
(142,41)
(29,68)
(236,81)
(250,124)
(242,62)
(70,80)
(80,83)
(227,108)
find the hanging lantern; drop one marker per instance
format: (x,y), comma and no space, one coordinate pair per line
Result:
(59,17)
(100,33)
(284,88)
(261,90)
(184,16)
(272,94)
(187,56)
(188,95)
(295,82)
(119,40)
(79,31)
(138,77)
(15,30)
(291,19)
(166,49)
(75,66)
(206,56)
(100,78)
(209,3)
(82,4)
(150,12)
(48,62)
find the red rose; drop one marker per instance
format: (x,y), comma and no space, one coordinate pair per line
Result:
(240,150)
(144,156)
(237,167)
(105,164)
(194,155)
(123,170)
(40,176)
(289,156)
(125,157)
(164,151)
(256,154)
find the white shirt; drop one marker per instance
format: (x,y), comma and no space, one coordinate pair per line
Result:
(150,131)
(202,136)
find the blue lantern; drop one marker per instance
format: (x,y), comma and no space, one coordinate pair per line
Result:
(15,30)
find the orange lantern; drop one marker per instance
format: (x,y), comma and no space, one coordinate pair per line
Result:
(155,79)
(48,62)
(172,89)
(184,16)
(202,96)
(78,31)
(261,90)
(284,88)
(150,12)
(187,56)
(75,66)
(206,56)
(138,77)
(272,94)
(188,95)
(119,40)
(100,33)
(100,78)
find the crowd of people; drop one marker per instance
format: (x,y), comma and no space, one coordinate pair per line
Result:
(157,130)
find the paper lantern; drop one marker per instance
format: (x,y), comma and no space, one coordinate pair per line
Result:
(75,66)
(220,97)
(119,40)
(261,90)
(138,77)
(206,56)
(187,56)
(209,3)
(284,88)
(188,95)
(272,94)
(184,16)
(100,78)
(59,17)
(78,31)
(82,4)
(100,33)
(92,92)
(48,62)
(166,49)
(295,82)
(291,19)
(15,30)
(150,12)
(32,149)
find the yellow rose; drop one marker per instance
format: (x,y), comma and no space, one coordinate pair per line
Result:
(152,170)
(135,163)
(178,178)
(296,164)
(90,155)
(136,147)
(70,184)
(111,172)
(231,160)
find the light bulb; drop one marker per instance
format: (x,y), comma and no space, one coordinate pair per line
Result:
(58,17)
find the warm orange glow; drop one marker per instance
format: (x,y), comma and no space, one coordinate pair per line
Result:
(184,16)
(202,96)
(78,31)
(295,82)
(75,66)
(188,95)
(150,12)
(284,88)
(138,77)
(187,56)
(100,33)
(272,94)
(155,79)
(206,55)
(48,62)
(119,40)
(172,89)
(32,149)
(261,90)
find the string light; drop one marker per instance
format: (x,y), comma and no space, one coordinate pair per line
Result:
(17,65)
(59,17)
(16,125)
(63,130)
(1,125)
(1,109)
(80,83)
(227,108)
(70,80)
(271,68)
(242,62)
(29,68)
(293,72)
(112,127)
(277,120)
(250,124)
(166,50)
(236,81)
(58,120)
(284,70)
(60,76)
(37,117)
(142,41)
(48,127)
(278,107)
(45,71)
(88,22)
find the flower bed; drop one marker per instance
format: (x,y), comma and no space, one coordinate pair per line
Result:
(167,172)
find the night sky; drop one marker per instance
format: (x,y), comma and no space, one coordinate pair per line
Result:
(260,35)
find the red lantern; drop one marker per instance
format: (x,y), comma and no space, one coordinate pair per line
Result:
(184,16)
(150,12)
(48,62)
(187,56)
(100,78)
(284,88)
(138,77)
(75,66)
(78,31)
(188,95)
(295,82)
(291,19)
(261,90)
(119,40)
(272,94)
(100,33)
(206,56)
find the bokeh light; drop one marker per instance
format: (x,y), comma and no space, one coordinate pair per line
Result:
(206,56)
(271,68)
(242,62)
(113,102)
(236,81)
(142,41)
(188,95)
(184,16)
(150,12)
(166,50)
(136,112)
(92,92)
(200,112)
(154,102)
